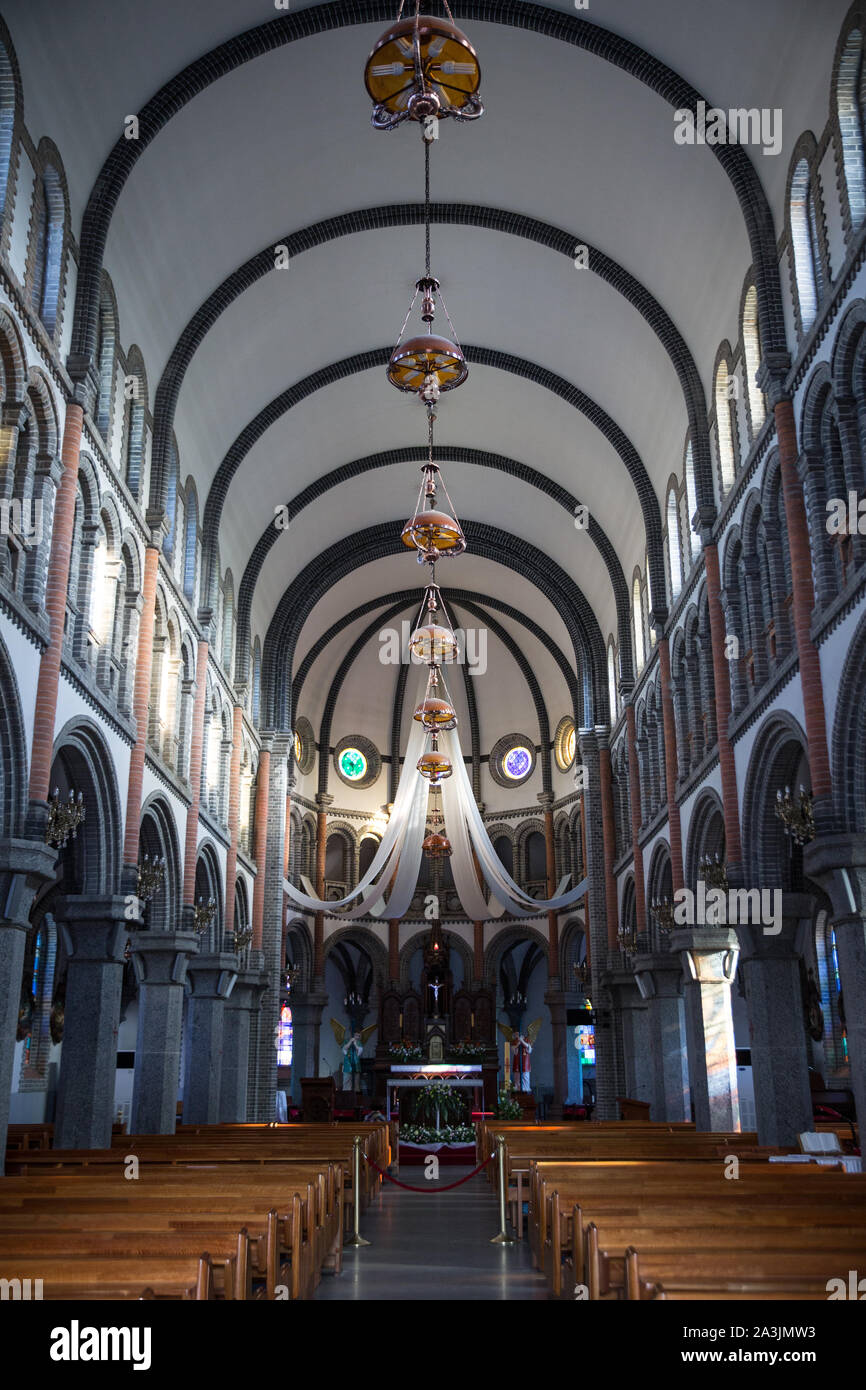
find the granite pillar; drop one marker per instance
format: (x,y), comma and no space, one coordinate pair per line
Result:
(770,966)
(597,943)
(240,1006)
(306,1021)
(24,865)
(556,1002)
(709,959)
(659,978)
(212,978)
(94,932)
(160,960)
(633,1016)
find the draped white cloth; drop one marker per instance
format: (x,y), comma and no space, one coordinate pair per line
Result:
(398,857)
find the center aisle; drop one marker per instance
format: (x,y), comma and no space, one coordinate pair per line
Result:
(426,1246)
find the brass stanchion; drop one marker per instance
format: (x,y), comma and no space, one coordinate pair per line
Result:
(503,1238)
(356,1238)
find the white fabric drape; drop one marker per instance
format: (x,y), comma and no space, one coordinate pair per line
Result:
(400,851)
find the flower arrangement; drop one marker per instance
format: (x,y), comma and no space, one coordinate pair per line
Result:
(467,1050)
(438,1102)
(404,1051)
(507,1108)
(446,1134)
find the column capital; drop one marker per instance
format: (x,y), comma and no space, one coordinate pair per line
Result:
(213,975)
(772,375)
(161,958)
(546,800)
(324,800)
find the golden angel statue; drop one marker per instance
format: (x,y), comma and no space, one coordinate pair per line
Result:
(521,1050)
(353,1050)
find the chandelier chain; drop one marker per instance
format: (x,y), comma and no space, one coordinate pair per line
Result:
(427,210)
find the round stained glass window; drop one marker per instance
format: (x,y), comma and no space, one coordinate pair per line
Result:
(353,764)
(565,744)
(299,749)
(517,762)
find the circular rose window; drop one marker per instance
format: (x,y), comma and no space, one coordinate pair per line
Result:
(353,764)
(517,763)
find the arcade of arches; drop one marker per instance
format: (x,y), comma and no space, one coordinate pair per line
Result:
(658,462)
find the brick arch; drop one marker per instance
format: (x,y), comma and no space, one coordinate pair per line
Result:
(849,737)
(378,357)
(502,941)
(441,453)
(702,838)
(378,541)
(13,751)
(776,754)
(419,939)
(44,412)
(211,878)
(13,357)
(493,219)
(161,837)
(848,347)
(89,765)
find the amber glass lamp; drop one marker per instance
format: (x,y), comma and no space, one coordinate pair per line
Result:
(421,68)
(427,361)
(434,765)
(433,643)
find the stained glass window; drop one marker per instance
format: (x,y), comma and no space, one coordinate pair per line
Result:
(517,762)
(37,963)
(299,748)
(353,764)
(837,985)
(285,1042)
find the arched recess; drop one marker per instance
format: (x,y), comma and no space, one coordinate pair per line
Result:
(849,738)
(11,101)
(158,839)
(418,941)
(503,940)
(579,32)
(107,343)
(847,104)
(659,885)
(779,759)
(376,542)
(572,951)
(706,834)
(13,751)
(241,915)
(208,887)
(82,759)
(362,961)
(299,953)
(335,372)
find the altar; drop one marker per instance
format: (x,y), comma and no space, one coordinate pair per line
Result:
(467,1075)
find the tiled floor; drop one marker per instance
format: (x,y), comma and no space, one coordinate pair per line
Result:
(434,1246)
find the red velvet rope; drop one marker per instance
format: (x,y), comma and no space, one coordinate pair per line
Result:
(448,1186)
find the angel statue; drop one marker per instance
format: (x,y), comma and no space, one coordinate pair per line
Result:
(353,1050)
(521,1050)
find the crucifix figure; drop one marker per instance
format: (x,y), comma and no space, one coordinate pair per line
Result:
(436,987)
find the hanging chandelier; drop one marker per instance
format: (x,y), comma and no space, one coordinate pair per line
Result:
(64,818)
(430,531)
(203,914)
(797,817)
(151,877)
(422,69)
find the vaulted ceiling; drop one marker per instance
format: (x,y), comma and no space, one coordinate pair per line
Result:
(563,360)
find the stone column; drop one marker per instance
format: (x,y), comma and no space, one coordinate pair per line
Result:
(160,960)
(555,1000)
(24,866)
(770,966)
(269,852)
(394,951)
(721,680)
(634,801)
(608,836)
(709,958)
(234,815)
(803,598)
(195,761)
(838,864)
(659,978)
(262,799)
(597,948)
(212,978)
(94,935)
(56,586)
(478,953)
(323,801)
(307,1021)
(671,766)
(240,1006)
(633,1015)
(546,799)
